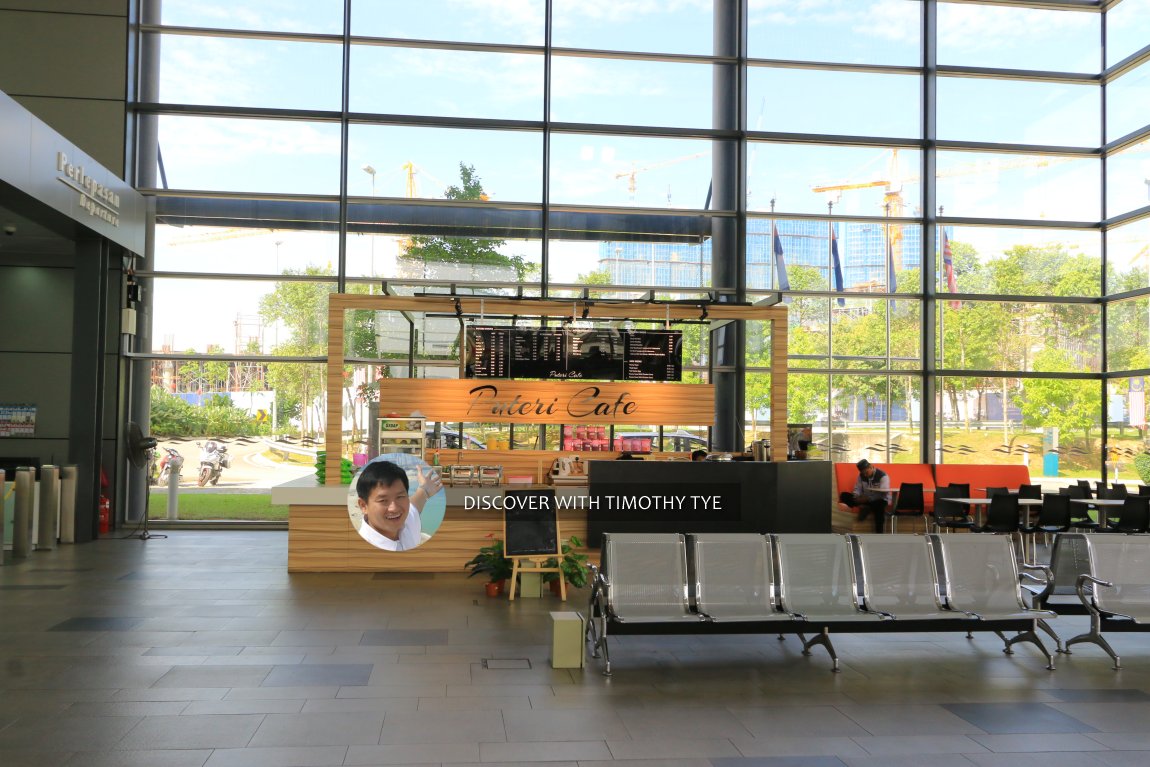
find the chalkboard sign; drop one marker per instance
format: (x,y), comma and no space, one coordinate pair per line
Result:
(530,526)
(574,353)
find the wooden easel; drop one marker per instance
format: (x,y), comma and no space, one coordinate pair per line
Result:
(532,533)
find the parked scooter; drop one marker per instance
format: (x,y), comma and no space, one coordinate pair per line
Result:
(214,459)
(172,460)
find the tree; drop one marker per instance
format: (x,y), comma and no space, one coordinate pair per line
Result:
(474,251)
(1068,404)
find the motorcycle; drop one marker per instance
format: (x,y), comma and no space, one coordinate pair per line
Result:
(214,459)
(171,460)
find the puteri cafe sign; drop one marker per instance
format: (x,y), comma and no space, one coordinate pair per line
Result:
(100,201)
(508,401)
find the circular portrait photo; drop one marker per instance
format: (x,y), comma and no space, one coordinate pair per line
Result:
(396,502)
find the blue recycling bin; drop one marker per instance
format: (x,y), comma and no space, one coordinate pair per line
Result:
(1050,465)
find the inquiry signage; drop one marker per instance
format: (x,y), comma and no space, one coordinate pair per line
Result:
(573,402)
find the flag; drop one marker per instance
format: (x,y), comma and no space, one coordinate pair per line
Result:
(836,265)
(948,269)
(1136,407)
(780,264)
(891,280)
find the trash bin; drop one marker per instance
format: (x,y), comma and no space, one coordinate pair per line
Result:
(1050,465)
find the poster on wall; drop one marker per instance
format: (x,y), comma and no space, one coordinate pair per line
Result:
(17,420)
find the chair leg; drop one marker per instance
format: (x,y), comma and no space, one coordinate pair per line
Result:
(1094,636)
(1058,646)
(823,638)
(1029,636)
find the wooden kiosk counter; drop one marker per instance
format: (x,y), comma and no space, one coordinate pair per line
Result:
(321,537)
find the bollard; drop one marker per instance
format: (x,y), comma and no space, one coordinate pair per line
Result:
(68,476)
(22,518)
(175,464)
(49,508)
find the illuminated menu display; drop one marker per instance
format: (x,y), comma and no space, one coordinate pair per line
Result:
(575,353)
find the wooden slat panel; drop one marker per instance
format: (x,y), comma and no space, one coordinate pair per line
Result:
(333,433)
(779,388)
(534,402)
(323,540)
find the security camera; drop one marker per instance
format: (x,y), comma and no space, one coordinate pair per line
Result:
(10,229)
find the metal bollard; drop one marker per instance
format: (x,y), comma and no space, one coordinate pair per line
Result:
(49,508)
(22,518)
(68,475)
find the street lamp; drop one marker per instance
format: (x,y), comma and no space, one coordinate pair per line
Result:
(369,170)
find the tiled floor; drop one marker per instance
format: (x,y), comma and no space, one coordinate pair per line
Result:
(200,650)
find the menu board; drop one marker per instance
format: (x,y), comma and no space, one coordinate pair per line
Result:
(575,353)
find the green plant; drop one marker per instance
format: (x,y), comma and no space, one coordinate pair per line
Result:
(573,564)
(490,561)
(1142,466)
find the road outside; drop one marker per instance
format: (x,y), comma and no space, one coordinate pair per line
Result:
(256,466)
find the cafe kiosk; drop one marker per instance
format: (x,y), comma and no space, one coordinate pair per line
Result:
(321,537)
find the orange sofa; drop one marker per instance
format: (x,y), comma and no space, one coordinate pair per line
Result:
(981,476)
(844,519)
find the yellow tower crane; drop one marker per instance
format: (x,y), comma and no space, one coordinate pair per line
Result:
(636,169)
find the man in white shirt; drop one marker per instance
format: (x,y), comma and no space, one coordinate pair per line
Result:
(390,514)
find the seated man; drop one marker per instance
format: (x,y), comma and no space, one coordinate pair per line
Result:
(871,494)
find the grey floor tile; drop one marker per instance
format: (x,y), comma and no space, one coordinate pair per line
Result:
(215,676)
(35,758)
(404,637)
(477,725)
(377,705)
(779,761)
(1017,718)
(176,758)
(671,748)
(910,745)
(577,724)
(1101,696)
(127,708)
(798,746)
(320,729)
(66,733)
(97,624)
(229,707)
(424,753)
(675,723)
(814,721)
(299,756)
(1074,759)
(899,720)
(194,732)
(501,753)
(1007,744)
(320,675)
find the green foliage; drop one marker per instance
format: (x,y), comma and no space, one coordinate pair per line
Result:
(1142,466)
(491,562)
(1069,404)
(474,251)
(572,564)
(216,417)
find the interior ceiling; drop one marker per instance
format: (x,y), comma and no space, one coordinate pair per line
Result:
(29,236)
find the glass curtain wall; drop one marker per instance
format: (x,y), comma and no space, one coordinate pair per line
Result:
(950,198)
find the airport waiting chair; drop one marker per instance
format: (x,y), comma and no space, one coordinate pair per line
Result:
(818,583)
(734,577)
(900,577)
(1117,586)
(982,579)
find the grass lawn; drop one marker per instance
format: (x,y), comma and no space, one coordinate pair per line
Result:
(219,506)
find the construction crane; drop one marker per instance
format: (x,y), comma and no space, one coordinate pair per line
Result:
(636,170)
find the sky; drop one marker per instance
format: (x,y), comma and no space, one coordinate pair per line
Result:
(301,157)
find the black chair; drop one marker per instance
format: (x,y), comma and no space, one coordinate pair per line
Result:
(1085,487)
(1079,513)
(1144,490)
(993,491)
(1001,515)
(910,503)
(1118,492)
(963,489)
(1053,517)
(1030,491)
(949,515)
(1133,517)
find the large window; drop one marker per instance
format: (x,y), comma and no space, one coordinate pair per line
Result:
(950,226)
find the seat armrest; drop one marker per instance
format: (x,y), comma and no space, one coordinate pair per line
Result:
(1038,597)
(1080,587)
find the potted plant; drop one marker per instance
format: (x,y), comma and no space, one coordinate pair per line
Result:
(491,562)
(572,563)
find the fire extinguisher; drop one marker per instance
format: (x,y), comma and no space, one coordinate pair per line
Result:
(105,511)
